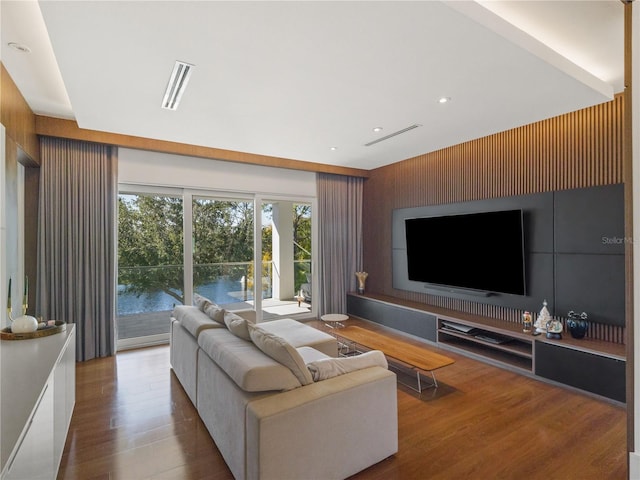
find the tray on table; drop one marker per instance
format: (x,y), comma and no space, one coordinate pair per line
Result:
(7,334)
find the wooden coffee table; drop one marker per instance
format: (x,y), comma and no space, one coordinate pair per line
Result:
(413,357)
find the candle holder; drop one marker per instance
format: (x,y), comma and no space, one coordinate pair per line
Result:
(24,323)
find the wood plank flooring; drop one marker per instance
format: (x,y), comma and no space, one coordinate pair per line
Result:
(132,420)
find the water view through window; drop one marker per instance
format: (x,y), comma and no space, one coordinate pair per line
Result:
(220,231)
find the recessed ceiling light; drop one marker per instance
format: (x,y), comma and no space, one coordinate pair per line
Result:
(444,99)
(377,129)
(333,149)
(19,47)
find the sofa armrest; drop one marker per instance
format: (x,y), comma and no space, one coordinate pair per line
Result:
(333,428)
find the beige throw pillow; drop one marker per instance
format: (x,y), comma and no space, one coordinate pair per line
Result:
(237,325)
(214,312)
(332,367)
(281,351)
(201,302)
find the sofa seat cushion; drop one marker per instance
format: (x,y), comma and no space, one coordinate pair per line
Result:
(193,319)
(248,366)
(300,335)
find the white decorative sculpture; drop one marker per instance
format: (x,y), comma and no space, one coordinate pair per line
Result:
(24,324)
(544,317)
(545,323)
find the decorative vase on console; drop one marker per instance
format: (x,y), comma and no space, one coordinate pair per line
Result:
(577,324)
(362,278)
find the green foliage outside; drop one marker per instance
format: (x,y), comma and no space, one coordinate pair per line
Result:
(150,243)
(302,243)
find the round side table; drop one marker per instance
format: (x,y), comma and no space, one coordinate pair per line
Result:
(334,320)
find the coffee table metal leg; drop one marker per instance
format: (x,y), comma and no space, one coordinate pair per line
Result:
(420,388)
(346,348)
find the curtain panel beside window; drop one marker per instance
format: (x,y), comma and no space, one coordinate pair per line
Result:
(340,239)
(77,241)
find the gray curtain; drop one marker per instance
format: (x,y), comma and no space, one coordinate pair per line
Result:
(77,241)
(340,249)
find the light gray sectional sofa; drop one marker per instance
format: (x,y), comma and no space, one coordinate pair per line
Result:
(276,400)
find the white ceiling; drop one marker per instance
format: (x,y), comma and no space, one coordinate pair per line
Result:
(293,79)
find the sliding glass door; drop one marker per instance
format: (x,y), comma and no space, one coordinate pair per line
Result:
(150,265)
(241,251)
(286,254)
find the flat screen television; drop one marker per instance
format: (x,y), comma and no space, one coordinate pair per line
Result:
(477,251)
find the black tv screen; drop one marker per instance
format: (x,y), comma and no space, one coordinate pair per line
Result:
(477,251)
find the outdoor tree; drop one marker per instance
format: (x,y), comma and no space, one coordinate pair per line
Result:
(302,242)
(150,244)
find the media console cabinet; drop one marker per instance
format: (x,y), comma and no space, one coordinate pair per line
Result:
(589,365)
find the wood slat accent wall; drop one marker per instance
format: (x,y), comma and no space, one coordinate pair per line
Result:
(580,149)
(17,118)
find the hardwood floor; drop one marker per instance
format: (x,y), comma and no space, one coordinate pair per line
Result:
(132,420)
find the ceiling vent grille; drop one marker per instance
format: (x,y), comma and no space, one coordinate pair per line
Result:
(387,137)
(177,84)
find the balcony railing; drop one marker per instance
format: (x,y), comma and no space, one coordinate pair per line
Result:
(159,288)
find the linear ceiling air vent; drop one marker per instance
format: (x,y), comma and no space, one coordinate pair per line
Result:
(386,137)
(177,84)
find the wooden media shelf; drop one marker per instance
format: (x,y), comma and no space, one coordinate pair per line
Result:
(592,366)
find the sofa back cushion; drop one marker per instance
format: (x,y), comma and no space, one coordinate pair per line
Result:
(244,363)
(193,320)
(281,351)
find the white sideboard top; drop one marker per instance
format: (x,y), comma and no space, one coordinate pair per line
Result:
(25,367)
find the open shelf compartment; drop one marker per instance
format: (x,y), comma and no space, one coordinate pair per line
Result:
(511,350)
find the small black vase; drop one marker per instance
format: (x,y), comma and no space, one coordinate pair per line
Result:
(577,324)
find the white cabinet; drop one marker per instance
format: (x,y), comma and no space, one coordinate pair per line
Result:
(64,398)
(37,396)
(33,458)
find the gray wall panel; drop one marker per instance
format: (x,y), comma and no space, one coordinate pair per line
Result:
(593,284)
(590,220)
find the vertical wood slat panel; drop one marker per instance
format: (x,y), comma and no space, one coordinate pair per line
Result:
(580,149)
(17,117)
